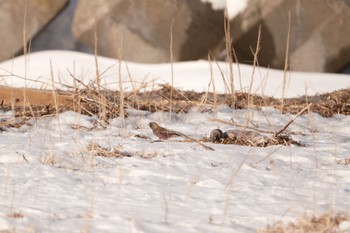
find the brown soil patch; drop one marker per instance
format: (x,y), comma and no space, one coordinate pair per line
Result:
(32,101)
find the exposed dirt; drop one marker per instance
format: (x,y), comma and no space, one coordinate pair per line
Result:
(32,102)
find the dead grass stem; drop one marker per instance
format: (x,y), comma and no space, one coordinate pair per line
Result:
(172,68)
(255,62)
(229,50)
(286,63)
(120,81)
(213,84)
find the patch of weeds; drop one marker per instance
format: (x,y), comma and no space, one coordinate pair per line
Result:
(328,222)
(97,150)
(344,161)
(49,160)
(15,214)
(250,138)
(107,104)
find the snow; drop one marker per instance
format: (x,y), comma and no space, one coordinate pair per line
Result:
(234,7)
(34,71)
(49,182)
(184,188)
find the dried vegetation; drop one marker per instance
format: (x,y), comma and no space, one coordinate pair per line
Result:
(328,222)
(107,103)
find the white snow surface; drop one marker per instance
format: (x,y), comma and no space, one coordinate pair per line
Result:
(49,182)
(34,71)
(233,7)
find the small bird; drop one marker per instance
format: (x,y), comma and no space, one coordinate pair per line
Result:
(217,135)
(245,137)
(163,133)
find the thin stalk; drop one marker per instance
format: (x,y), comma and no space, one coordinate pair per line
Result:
(171,66)
(229,56)
(286,64)
(255,62)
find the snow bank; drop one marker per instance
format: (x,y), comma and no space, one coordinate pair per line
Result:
(34,71)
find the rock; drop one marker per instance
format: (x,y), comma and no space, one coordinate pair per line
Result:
(142,28)
(319,35)
(12,12)
(57,34)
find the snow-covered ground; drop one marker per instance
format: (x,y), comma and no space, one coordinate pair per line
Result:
(33,71)
(49,182)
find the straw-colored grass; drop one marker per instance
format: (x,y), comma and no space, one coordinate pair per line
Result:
(326,223)
(88,101)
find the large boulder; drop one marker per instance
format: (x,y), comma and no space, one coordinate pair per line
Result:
(319,34)
(142,28)
(12,13)
(57,35)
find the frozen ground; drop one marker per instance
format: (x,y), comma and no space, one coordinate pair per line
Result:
(50,183)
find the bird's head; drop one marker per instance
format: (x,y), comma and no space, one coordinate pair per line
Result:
(153,125)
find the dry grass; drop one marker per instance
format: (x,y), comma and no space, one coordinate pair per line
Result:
(258,141)
(327,223)
(89,101)
(344,161)
(96,150)
(15,214)
(248,137)
(49,159)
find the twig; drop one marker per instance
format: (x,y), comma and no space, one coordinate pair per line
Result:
(242,126)
(196,141)
(275,134)
(25,159)
(172,67)
(286,64)
(292,120)
(255,63)
(235,173)
(266,157)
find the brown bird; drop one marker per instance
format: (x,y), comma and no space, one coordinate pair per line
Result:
(163,133)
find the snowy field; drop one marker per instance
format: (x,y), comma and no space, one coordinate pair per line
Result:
(50,182)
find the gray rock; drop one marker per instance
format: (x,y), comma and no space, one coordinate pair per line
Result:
(12,12)
(319,35)
(142,28)
(57,34)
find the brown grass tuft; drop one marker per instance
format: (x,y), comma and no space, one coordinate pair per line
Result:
(96,150)
(344,161)
(328,222)
(15,214)
(88,101)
